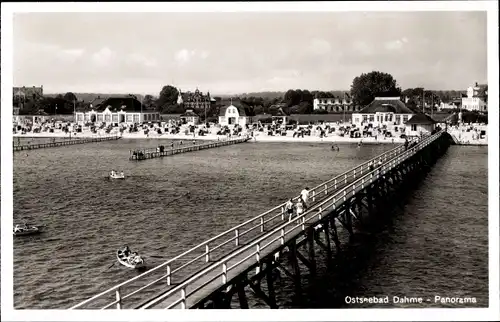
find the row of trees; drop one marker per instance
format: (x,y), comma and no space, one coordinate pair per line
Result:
(364,89)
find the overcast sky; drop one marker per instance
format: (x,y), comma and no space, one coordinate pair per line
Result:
(245,52)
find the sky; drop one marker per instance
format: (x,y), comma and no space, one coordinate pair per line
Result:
(238,52)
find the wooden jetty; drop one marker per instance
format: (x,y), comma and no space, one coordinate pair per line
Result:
(165,151)
(64,143)
(211,273)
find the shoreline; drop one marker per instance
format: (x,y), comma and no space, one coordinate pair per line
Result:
(214,137)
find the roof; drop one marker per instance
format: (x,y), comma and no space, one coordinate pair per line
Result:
(482,91)
(115,104)
(243,109)
(421,118)
(27,91)
(387,104)
(278,112)
(190,113)
(97,101)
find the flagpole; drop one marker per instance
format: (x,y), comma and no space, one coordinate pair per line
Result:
(423,100)
(343,106)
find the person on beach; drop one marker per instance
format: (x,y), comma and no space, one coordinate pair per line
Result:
(289,209)
(304,195)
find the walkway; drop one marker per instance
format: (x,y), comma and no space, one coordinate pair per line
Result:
(189,277)
(64,143)
(162,151)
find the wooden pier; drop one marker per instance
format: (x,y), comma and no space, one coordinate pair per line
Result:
(64,143)
(165,151)
(247,255)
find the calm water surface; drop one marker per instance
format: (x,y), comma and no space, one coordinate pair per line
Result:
(435,245)
(88,217)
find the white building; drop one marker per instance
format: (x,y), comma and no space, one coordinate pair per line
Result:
(190,117)
(381,111)
(117,110)
(234,113)
(335,104)
(420,124)
(476,98)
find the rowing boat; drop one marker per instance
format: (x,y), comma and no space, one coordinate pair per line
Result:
(130,261)
(25,231)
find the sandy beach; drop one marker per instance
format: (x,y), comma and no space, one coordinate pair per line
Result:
(463,138)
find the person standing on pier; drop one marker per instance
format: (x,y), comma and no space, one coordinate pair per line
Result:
(299,206)
(289,209)
(304,195)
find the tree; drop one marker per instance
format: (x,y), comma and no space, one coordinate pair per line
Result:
(167,100)
(292,98)
(366,87)
(148,102)
(70,97)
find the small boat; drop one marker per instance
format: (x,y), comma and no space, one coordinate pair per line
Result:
(131,261)
(26,230)
(117,176)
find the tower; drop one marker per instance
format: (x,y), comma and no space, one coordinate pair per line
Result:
(179,97)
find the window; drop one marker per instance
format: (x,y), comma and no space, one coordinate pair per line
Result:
(107,118)
(398,119)
(129,118)
(365,118)
(414,127)
(136,118)
(372,118)
(115,118)
(99,117)
(405,118)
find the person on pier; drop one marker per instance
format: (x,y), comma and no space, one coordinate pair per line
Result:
(304,195)
(289,209)
(299,207)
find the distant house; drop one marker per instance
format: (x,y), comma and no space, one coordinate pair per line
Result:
(335,104)
(235,113)
(190,117)
(420,124)
(383,111)
(196,100)
(117,110)
(279,116)
(28,92)
(477,98)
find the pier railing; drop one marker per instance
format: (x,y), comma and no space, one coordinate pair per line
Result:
(65,142)
(220,271)
(186,263)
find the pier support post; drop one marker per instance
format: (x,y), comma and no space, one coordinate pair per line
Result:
(270,284)
(242,297)
(294,261)
(312,255)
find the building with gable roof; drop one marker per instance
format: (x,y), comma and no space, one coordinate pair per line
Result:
(477,98)
(117,110)
(235,113)
(190,117)
(383,111)
(195,101)
(420,124)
